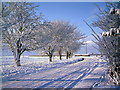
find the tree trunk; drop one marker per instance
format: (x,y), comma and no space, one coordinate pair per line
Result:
(50,58)
(60,57)
(17,55)
(67,55)
(17,60)
(60,54)
(70,54)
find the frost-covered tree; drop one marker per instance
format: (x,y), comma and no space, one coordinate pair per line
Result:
(66,37)
(49,50)
(20,28)
(73,43)
(109,21)
(58,34)
(63,32)
(62,36)
(50,45)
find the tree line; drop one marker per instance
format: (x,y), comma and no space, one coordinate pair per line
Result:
(23,29)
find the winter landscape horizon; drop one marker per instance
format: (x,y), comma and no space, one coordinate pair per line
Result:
(60,45)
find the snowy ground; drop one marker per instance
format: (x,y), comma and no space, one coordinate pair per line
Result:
(38,72)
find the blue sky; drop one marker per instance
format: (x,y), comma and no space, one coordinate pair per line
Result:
(75,13)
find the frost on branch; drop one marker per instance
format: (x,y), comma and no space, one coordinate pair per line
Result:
(63,38)
(20,28)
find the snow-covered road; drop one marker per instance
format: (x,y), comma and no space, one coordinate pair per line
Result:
(80,74)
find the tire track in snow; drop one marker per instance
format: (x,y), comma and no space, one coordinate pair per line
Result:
(58,77)
(88,71)
(83,74)
(46,73)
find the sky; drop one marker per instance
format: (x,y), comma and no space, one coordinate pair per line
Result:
(75,13)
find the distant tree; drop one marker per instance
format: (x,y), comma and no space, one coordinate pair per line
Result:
(49,50)
(62,36)
(64,31)
(20,28)
(49,47)
(57,35)
(66,37)
(74,43)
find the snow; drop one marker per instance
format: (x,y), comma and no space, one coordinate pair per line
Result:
(38,72)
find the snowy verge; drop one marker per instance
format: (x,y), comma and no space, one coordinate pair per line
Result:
(31,65)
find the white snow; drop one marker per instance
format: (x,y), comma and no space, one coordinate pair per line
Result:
(38,72)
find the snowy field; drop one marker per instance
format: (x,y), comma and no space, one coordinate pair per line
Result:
(38,72)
